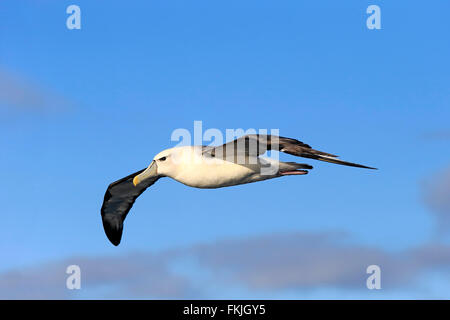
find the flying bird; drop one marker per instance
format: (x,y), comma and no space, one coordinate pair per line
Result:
(236,162)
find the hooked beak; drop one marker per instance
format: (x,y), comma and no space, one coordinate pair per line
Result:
(150,172)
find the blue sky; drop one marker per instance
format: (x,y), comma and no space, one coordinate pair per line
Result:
(82,108)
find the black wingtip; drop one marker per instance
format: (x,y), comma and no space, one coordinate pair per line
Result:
(114,241)
(113,227)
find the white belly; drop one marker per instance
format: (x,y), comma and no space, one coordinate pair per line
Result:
(214,175)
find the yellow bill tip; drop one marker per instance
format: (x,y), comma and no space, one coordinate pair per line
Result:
(135,181)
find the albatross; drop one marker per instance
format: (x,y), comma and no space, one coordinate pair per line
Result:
(237,162)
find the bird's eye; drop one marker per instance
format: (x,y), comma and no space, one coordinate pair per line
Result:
(162,159)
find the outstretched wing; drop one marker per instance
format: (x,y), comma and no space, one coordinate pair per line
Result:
(253,145)
(119,198)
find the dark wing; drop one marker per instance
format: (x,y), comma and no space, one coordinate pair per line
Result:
(254,145)
(119,198)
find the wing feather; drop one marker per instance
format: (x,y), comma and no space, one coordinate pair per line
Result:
(119,198)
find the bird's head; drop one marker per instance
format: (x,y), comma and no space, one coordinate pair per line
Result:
(163,164)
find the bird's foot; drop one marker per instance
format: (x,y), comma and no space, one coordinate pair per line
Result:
(294,172)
